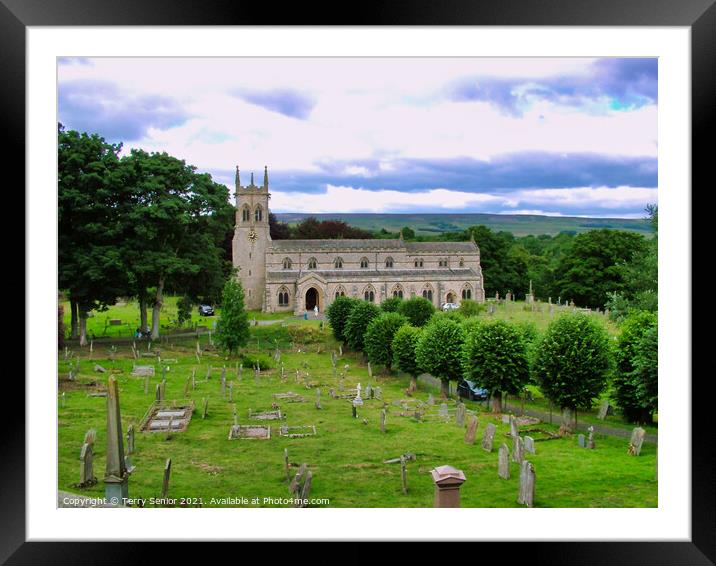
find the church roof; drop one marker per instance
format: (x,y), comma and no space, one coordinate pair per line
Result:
(371,245)
(374,275)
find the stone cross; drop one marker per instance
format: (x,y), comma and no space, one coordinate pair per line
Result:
(526,494)
(165,482)
(130,440)
(471,431)
(116,476)
(87,476)
(503,462)
(488,437)
(637,439)
(518,449)
(529,445)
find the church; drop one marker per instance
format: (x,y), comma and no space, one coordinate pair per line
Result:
(299,275)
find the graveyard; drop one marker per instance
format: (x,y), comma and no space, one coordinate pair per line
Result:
(209,431)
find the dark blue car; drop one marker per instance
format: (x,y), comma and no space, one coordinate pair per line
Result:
(470,390)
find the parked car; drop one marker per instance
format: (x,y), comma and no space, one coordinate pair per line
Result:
(470,390)
(206,310)
(450,306)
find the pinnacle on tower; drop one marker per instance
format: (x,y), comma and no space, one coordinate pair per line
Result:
(237,179)
(252,178)
(265,177)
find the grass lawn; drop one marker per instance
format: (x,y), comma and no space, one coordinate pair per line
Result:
(346,457)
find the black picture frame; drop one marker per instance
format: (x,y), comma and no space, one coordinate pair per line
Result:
(698,15)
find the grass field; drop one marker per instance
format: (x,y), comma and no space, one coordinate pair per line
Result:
(346,457)
(518,224)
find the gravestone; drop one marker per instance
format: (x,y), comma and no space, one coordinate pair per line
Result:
(130,440)
(143,371)
(526,494)
(471,431)
(159,392)
(286,464)
(431,399)
(581,442)
(514,432)
(443,411)
(241,371)
(116,477)
(318,398)
(205,408)
(404,475)
(505,419)
(518,449)
(382,420)
(370,371)
(488,437)
(529,445)
(460,414)
(87,477)
(368,391)
(165,482)
(637,439)
(251,432)
(186,386)
(603,409)
(340,351)
(99,368)
(503,462)
(231,392)
(378,393)
(590,439)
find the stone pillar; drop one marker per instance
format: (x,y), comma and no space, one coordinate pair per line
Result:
(116,477)
(447,486)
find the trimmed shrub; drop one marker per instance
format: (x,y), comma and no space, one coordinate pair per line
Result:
(469,307)
(405,343)
(305,334)
(417,310)
(232,328)
(439,351)
(250,361)
(337,314)
(357,323)
(391,304)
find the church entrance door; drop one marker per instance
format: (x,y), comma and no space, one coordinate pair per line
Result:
(312,299)
(450,298)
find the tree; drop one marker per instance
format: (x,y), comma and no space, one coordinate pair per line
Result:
(628,390)
(408,233)
(379,337)
(469,308)
(646,372)
(572,362)
(391,304)
(176,224)
(495,357)
(91,267)
(357,323)
(278,230)
(502,267)
(439,351)
(596,266)
(232,328)
(417,310)
(337,313)
(405,343)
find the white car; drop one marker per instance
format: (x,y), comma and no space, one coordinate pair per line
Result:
(450,306)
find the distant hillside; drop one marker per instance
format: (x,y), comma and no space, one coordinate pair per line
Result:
(518,224)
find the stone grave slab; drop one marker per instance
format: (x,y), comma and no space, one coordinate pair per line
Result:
(143,371)
(162,416)
(253,432)
(289,397)
(266,415)
(297,431)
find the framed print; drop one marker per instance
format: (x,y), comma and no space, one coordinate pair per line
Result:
(344,267)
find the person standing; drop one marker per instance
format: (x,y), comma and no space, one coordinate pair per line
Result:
(315,310)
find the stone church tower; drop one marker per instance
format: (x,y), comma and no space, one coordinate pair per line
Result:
(252,239)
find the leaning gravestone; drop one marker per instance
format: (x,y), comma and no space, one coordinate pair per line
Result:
(529,444)
(167,473)
(503,462)
(526,494)
(87,477)
(637,439)
(514,432)
(130,440)
(471,431)
(488,437)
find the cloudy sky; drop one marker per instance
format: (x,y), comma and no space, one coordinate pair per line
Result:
(566,136)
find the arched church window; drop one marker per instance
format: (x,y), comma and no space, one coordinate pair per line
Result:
(364,263)
(443,262)
(312,264)
(389,262)
(283,297)
(287,263)
(419,262)
(369,294)
(340,291)
(398,292)
(258,214)
(467,292)
(428,293)
(245,213)
(338,263)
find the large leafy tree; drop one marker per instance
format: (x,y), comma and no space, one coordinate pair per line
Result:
(628,389)
(232,328)
(91,267)
(646,372)
(357,323)
(504,267)
(573,362)
(495,357)
(379,337)
(439,351)
(175,226)
(337,313)
(596,266)
(405,343)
